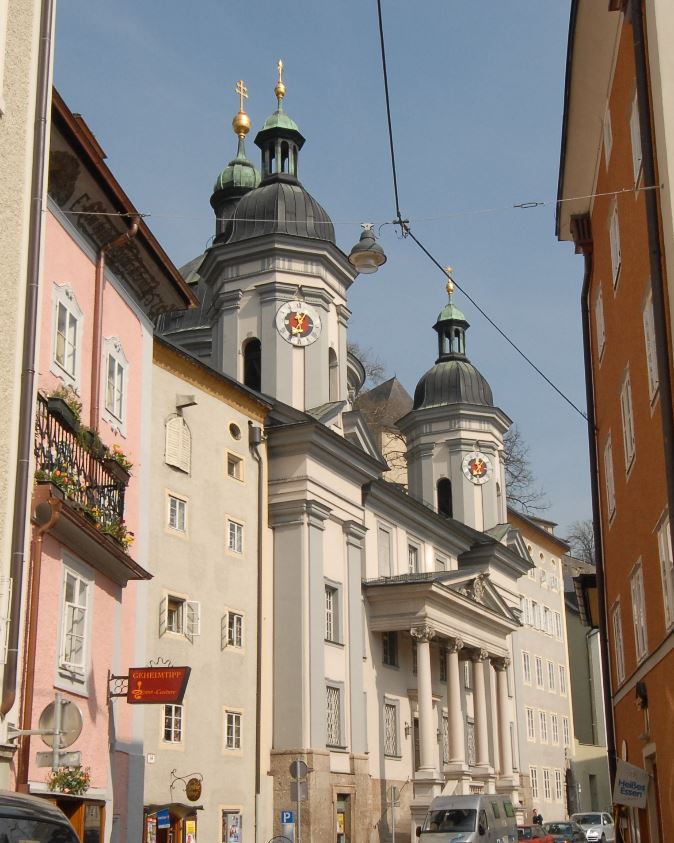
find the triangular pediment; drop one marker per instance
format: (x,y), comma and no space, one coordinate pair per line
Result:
(357,431)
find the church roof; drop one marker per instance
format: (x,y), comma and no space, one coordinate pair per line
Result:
(453,381)
(385,403)
(239,173)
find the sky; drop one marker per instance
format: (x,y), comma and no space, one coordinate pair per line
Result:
(476,100)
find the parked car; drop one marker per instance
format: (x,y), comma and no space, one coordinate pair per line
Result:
(597,825)
(477,818)
(30,818)
(565,832)
(533,832)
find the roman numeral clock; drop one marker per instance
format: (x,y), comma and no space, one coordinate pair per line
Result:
(298,323)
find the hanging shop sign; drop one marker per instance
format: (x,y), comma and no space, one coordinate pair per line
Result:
(157,685)
(193,789)
(631,785)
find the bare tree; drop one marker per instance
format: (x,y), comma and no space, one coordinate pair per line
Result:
(375,370)
(521,488)
(581,538)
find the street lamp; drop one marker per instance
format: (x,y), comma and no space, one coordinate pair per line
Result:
(367,255)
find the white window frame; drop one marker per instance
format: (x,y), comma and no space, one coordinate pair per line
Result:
(64,297)
(559,791)
(531,724)
(648,319)
(540,676)
(627,414)
(188,622)
(526,668)
(619,649)
(552,685)
(559,629)
(666,570)
(562,680)
(599,324)
(114,407)
(235,630)
(609,481)
(75,672)
(547,789)
(566,731)
(635,138)
(608,137)
(614,241)
(554,728)
(178,444)
(384,550)
(173,720)
(173,519)
(235,536)
(232,730)
(392,710)
(333,612)
(334,691)
(413,558)
(237,463)
(533,778)
(639,612)
(543,725)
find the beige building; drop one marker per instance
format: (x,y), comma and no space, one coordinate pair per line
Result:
(208,605)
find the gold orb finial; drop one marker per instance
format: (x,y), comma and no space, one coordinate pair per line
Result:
(241,122)
(450,280)
(280,88)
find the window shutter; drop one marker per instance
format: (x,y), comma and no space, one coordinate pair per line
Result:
(193,623)
(649,339)
(224,630)
(178,444)
(614,236)
(5,603)
(635,133)
(163,613)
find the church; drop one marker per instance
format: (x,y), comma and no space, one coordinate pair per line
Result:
(390,606)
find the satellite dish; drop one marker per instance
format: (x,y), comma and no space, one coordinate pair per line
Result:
(71,723)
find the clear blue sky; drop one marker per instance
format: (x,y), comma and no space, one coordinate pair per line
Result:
(477,95)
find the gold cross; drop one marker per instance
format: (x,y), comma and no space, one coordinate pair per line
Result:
(280,71)
(242,91)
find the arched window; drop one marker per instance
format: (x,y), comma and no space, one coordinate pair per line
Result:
(333,375)
(284,157)
(252,364)
(444,490)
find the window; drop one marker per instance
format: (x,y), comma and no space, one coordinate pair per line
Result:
(68,323)
(444,494)
(558,626)
(554,728)
(177,513)
(627,419)
(608,137)
(332,613)
(547,620)
(566,736)
(547,793)
(558,785)
(234,536)
(442,653)
(536,612)
(252,364)
(533,775)
(614,237)
(440,563)
(526,668)
(384,551)
(666,570)
(178,444)
(543,726)
(539,672)
(116,368)
(445,739)
(608,476)
(651,353)
(467,677)
(531,726)
(391,729)
(551,676)
(232,730)
(616,621)
(389,642)
(75,622)
(333,709)
(179,616)
(234,629)
(234,467)
(173,723)
(412,559)
(232,827)
(639,612)
(635,135)
(562,680)
(524,611)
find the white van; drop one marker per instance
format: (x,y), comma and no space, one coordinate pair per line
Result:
(482,818)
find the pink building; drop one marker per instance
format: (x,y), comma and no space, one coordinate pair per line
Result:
(105,280)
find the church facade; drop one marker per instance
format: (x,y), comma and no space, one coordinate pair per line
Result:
(392,609)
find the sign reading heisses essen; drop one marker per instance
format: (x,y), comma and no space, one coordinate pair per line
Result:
(157,684)
(631,785)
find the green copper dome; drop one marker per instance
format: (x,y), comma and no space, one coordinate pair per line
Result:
(238,173)
(280,120)
(450,311)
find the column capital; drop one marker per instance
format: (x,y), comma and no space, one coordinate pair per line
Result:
(454,645)
(479,655)
(354,533)
(423,633)
(500,663)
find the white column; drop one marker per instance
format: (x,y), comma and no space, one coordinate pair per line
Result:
(457,744)
(427,733)
(504,742)
(480,659)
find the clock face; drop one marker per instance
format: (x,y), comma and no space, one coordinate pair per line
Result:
(477,467)
(298,323)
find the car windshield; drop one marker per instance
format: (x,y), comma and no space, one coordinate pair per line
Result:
(587,819)
(16,830)
(450,819)
(558,828)
(524,834)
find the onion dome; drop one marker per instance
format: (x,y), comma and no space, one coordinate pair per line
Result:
(280,205)
(238,178)
(453,379)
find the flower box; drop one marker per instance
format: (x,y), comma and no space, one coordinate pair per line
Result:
(59,409)
(120,474)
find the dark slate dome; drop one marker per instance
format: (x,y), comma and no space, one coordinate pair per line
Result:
(281,206)
(454,381)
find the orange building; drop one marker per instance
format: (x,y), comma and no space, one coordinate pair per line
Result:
(615,206)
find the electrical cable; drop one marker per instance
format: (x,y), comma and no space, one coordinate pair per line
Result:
(388,108)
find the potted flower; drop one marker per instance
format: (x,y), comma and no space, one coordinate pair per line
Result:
(89,437)
(64,405)
(73,780)
(118,531)
(117,464)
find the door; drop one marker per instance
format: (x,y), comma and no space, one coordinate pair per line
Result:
(343,817)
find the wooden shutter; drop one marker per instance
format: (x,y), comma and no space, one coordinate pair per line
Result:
(192,621)
(224,630)
(178,447)
(163,615)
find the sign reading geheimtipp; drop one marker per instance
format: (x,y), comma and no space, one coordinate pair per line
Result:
(631,785)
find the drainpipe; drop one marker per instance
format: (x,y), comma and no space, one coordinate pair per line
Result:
(255,438)
(47,514)
(26,399)
(98,318)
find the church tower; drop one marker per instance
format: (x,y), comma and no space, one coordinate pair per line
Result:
(455,434)
(274,282)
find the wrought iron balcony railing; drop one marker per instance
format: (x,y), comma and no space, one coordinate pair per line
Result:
(63,459)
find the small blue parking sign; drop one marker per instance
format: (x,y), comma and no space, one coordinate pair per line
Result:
(163,819)
(287,817)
